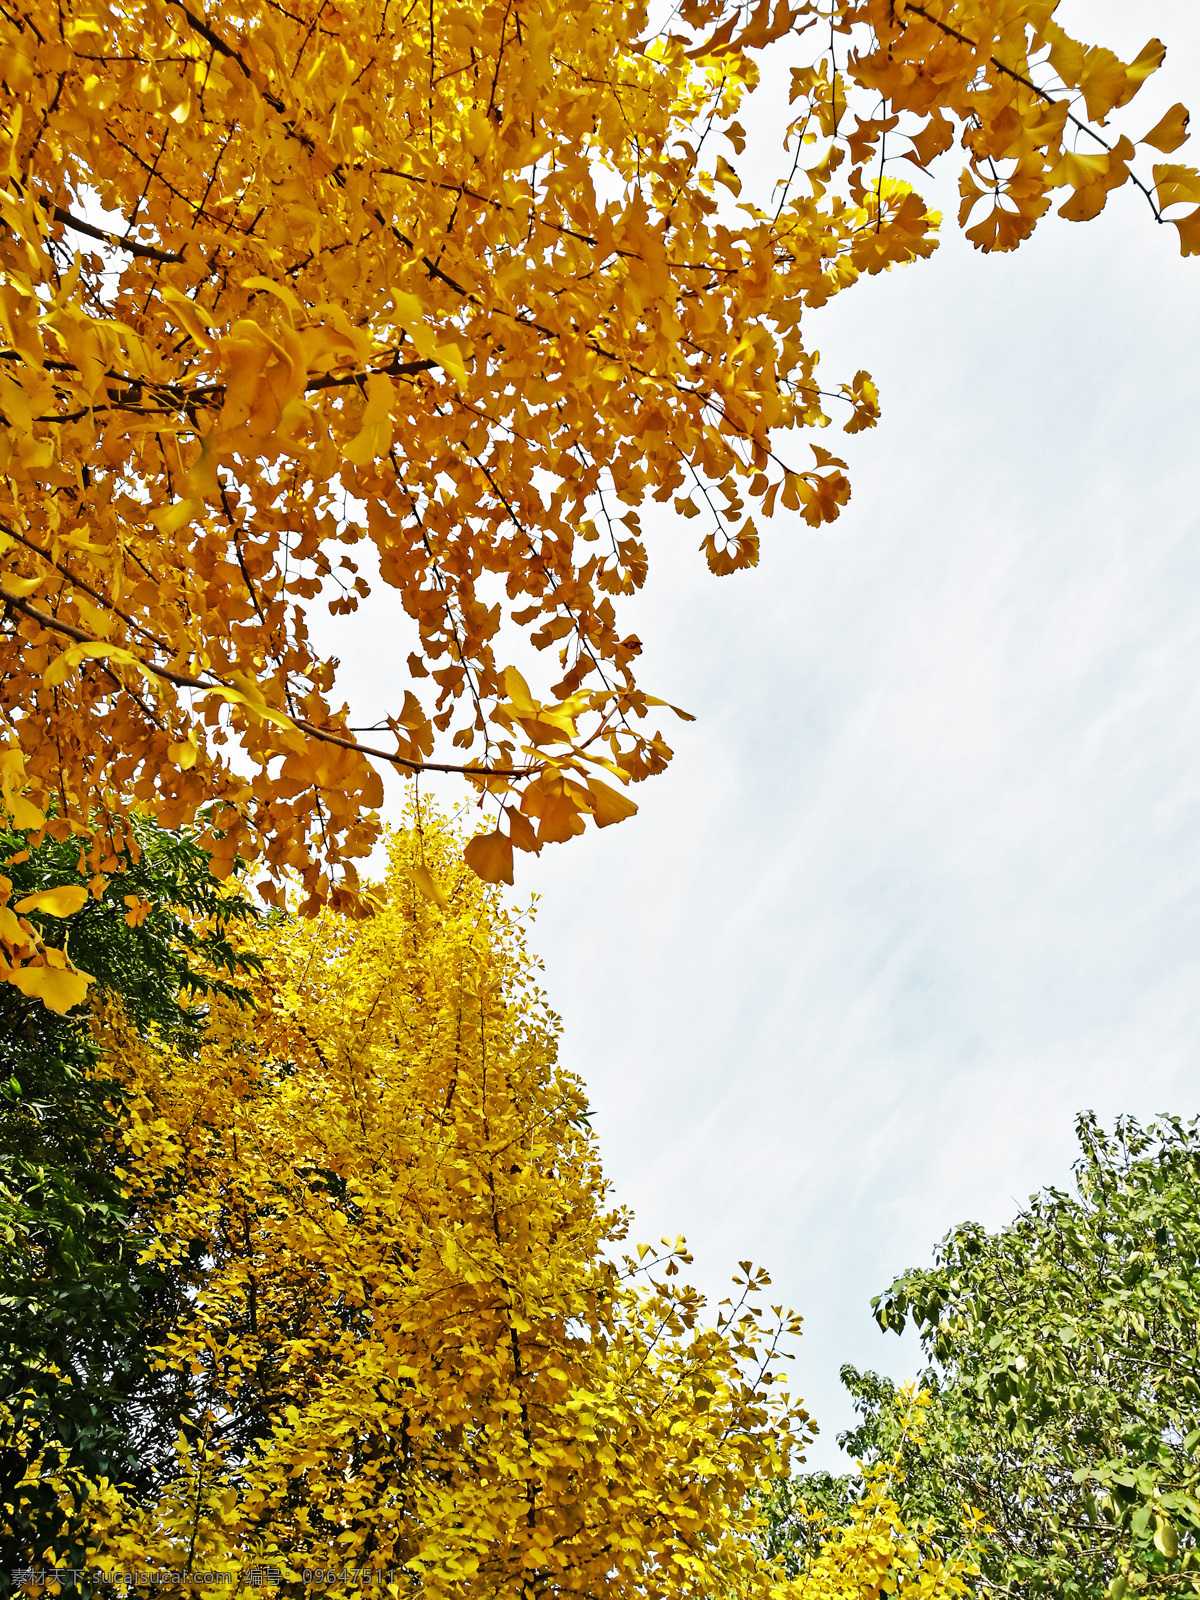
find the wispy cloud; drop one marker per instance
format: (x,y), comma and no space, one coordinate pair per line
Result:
(922,882)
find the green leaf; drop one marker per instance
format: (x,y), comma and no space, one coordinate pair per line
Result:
(1165,1538)
(1062,1356)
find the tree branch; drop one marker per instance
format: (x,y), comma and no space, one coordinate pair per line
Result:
(183,680)
(150,252)
(1019,77)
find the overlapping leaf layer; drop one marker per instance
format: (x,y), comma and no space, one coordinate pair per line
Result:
(463,284)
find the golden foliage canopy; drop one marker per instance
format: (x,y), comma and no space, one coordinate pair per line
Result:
(408,1344)
(411,1342)
(464,282)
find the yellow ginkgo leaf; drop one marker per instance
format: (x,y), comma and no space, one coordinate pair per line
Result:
(64,901)
(250,697)
(13,934)
(517,691)
(139,910)
(608,805)
(171,518)
(194,320)
(490,857)
(279,290)
(449,358)
(725,174)
(92,650)
(57,988)
(184,752)
(428,885)
(1170,131)
(21,587)
(95,620)
(375,434)
(23,812)
(1189,233)
(1176,184)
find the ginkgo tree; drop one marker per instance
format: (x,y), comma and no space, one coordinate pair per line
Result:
(467,281)
(406,1349)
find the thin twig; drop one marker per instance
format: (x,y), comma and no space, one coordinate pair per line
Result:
(1019,77)
(150,252)
(183,680)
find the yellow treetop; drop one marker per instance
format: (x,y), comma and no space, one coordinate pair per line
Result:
(875,1553)
(404,1339)
(413,1343)
(464,283)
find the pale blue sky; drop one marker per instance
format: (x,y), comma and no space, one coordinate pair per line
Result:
(922,882)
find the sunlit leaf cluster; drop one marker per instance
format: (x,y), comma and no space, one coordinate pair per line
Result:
(297,301)
(1063,1392)
(858,1543)
(409,1337)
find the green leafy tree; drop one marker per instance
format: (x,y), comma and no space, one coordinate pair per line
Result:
(799,1514)
(77,1309)
(1065,1378)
